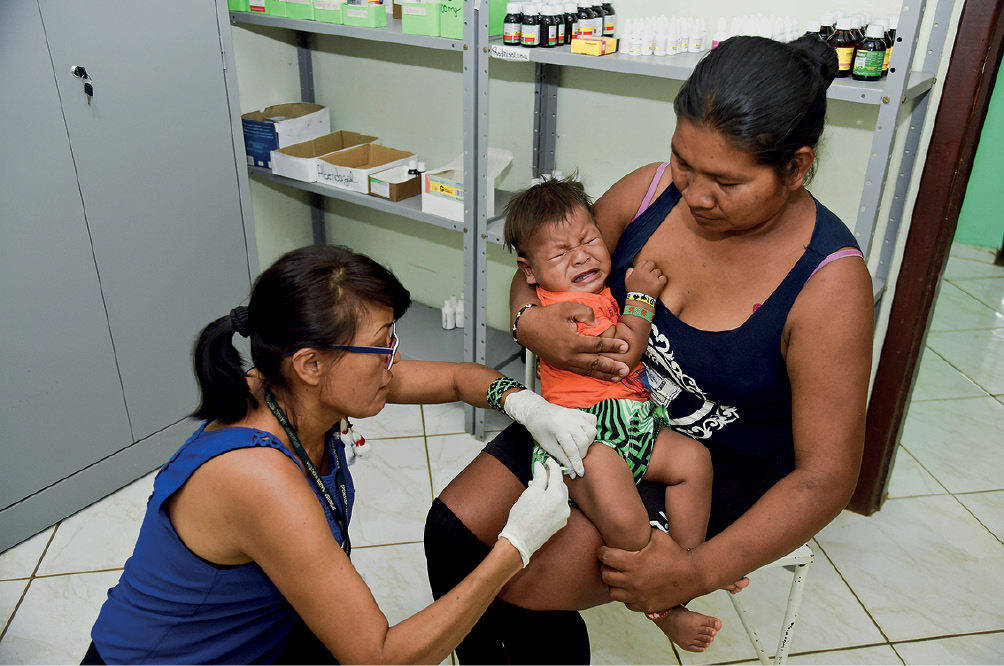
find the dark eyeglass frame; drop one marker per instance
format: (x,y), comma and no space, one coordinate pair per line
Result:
(391,351)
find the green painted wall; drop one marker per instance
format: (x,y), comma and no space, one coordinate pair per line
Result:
(981,220)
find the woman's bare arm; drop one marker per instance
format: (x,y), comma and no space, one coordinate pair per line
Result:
(828,356)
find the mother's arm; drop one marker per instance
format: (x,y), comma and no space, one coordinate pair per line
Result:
(828,354)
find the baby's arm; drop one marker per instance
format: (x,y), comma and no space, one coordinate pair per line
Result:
(646,279)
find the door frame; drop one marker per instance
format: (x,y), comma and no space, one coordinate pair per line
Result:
(969,83)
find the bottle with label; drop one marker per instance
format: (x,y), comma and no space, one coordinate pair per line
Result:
(512,25)
(870,55)
(624,43)
(548,30)
(826,29)
(413,167)
(571,21)
(458,312)
(890,40)
(600,19)
(585,20)
(558,16)
(530,32)
(843,44)
(609,19)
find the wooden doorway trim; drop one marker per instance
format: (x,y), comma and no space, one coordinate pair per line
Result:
(972,71)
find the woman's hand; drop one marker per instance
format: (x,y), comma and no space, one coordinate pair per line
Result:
(659,576)
(539,512)
(551,333)
(564,433)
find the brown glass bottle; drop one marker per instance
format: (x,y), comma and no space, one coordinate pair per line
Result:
(843,43)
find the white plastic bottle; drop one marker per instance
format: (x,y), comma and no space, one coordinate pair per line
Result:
(648,39)
(458,312)
(449,315)
(624,44)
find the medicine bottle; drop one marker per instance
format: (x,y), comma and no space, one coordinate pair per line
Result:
(600,19)
(586,17)
(558,16)
(609,19)
(870,55)
(843,44)
(571,21)
(530,32)
(548,29)
(512,25)
(826,26)
(890,41)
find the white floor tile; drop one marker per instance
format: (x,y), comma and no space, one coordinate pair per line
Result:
(977,649)
(938,380)
(448,456)
(989,291)
(101,536)
(922,566)
(910,479)
(21,560)
(978,354)
(981,254)
(989,510)
(962,268)
(958,442)
(393,493)
(878,654)
(448,419)
(392,421)
(955,310)
(53,624)
(620,636)
(397,577)
(10,594)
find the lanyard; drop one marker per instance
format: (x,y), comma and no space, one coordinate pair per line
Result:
(336,513)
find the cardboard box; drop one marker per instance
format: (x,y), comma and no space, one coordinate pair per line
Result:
(451,22)
(329,11)
(239,5)
(299,161)
(443,188)
(365,16)
(282,125)
(395,184)
(420,17)
(594,46)
(275,7)
(350,169)
(300,9)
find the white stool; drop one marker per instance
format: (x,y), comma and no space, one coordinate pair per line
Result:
(799,561)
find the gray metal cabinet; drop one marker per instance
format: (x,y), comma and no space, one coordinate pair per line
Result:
(121,236)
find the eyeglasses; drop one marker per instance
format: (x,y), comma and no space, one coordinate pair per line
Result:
(391,351)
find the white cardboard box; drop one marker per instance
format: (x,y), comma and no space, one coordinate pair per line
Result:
(443,188)
(349,169)
(299,161)
(282,125)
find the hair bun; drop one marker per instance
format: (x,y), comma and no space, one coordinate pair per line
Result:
(822,56)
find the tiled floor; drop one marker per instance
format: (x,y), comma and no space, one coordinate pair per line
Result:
(919,582)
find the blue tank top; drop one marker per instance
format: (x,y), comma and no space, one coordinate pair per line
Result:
(171,606)
(727,389)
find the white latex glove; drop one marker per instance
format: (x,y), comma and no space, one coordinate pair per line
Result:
(564,433)
(539,512)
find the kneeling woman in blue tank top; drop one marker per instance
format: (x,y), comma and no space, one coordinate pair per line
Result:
(243,556)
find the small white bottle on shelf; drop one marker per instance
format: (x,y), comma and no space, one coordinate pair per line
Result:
(459,312)
(449,315)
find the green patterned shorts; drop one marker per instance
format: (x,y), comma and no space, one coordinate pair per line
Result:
(628,427)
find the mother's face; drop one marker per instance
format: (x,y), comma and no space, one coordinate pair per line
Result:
(727,192)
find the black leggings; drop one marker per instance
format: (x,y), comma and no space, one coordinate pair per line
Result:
(510,634)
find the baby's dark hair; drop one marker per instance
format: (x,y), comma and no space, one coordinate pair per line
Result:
(310,297)
(548,202)
(767,98)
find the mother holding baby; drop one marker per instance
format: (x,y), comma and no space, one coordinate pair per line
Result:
(760,350)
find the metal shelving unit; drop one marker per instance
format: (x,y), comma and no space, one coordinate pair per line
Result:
(904,93)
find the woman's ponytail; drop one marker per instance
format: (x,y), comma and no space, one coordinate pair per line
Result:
(225,395)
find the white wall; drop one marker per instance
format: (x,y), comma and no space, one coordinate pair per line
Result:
(608,124)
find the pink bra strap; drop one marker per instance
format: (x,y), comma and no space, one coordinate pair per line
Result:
(651,190)
(839,254)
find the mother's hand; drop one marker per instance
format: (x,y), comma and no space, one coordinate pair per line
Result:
(659,576)
(551,333)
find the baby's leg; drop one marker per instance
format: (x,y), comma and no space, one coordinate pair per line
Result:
(684,465)
(609,498)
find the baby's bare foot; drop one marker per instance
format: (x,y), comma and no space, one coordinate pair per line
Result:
(691,631)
